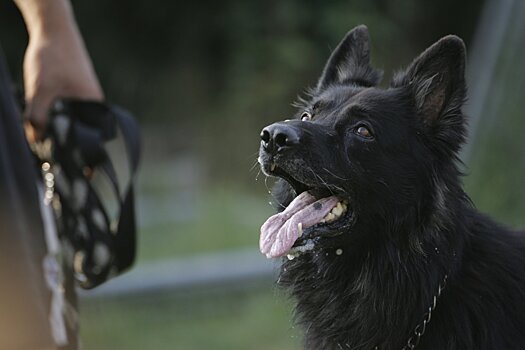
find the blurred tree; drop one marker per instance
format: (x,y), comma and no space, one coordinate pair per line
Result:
(214,73)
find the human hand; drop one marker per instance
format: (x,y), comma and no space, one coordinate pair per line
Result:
(56,63)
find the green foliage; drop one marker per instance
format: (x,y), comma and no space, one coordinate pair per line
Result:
(219,71)
(497,169)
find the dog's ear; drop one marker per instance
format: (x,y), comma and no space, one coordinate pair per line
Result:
(350,62)
(436,80)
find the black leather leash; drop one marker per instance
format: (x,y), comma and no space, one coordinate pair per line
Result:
(88,161)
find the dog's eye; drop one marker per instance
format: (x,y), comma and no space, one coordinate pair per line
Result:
(363,131)
(306,116)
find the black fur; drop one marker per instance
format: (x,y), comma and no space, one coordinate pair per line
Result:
(412,223)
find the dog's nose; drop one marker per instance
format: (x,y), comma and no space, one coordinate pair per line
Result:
(278,137)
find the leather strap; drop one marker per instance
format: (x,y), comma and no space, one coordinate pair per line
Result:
(92,151)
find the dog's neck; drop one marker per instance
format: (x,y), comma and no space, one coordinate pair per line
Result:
(365,298)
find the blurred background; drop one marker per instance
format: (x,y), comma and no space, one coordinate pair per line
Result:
(203,78)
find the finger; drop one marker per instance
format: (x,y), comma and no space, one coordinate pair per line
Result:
(30,131)
(36,113)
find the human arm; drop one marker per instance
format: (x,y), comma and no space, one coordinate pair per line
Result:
(56,62)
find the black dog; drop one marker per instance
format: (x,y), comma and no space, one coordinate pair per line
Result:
(386,251)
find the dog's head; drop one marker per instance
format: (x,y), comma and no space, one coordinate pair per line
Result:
(358,160)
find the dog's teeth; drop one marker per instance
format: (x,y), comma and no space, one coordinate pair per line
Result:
(290,256)
(338,210)
(300,227)
(272,167)
(335,213)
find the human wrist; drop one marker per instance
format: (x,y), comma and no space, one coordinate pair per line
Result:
(47,18)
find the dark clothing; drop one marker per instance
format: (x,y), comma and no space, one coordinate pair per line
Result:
(26,266)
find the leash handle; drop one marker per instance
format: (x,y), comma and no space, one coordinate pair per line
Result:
(89,160)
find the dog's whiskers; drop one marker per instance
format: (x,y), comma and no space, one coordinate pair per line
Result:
(334,175)
(254,165)
(266,183)
(279,203)
(256,153)
(325,184)
(257,176)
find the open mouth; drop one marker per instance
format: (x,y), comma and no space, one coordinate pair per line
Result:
(315,214)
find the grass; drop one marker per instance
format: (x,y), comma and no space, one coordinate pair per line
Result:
(225,220)
(253,320)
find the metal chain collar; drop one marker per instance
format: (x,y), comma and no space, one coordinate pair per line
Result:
(420,329)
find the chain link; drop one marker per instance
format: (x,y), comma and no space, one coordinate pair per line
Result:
(420,329)
(49,182)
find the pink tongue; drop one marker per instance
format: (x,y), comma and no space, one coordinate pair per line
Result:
(280,231)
